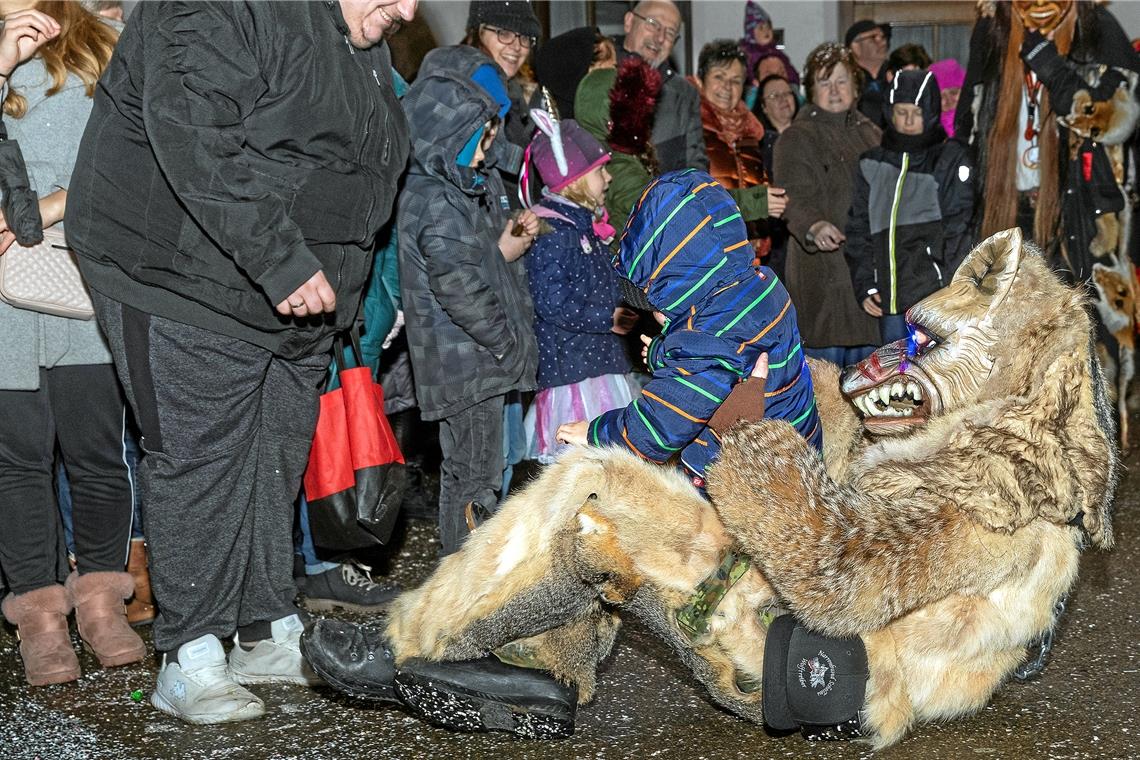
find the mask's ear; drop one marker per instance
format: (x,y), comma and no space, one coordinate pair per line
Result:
(993,264)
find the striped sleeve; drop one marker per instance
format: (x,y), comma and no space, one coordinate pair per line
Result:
(691,378)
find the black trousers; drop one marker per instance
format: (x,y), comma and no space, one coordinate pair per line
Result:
(226,429)
(81,407)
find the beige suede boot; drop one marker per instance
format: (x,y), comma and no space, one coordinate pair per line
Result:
(45,645)
(101,616)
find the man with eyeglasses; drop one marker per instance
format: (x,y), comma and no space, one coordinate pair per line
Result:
(651,29)
(870,42)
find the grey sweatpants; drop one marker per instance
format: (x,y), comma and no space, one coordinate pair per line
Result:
(226,429)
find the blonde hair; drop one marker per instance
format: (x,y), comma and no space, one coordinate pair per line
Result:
(578,191)
(83,48)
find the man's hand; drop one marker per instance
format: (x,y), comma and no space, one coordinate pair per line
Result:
(777,201)
(515,245)
(645,341)
(24,33)
(573,433)
(826,235)
(316,296)
(872,305)
(624,320)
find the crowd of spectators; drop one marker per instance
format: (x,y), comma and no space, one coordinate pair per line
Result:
(489,201)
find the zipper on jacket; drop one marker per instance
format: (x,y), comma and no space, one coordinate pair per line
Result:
(891,239)
(937,269)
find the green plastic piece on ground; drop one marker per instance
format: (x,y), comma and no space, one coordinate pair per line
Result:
(137,695)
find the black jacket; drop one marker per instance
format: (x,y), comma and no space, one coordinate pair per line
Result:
(468,311)
(233,150)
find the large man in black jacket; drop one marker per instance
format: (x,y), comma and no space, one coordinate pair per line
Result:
(239,161)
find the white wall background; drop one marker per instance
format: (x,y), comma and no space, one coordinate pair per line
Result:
(806,23)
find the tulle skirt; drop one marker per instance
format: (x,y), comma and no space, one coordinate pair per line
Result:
(583,400)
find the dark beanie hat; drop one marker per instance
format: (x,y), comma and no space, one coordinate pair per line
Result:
(866,25)
(561,63)
(513,15)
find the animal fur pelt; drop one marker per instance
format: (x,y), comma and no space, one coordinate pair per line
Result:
(963,473)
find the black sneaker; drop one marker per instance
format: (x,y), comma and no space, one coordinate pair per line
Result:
(347,587)
(488,695)
(351,658)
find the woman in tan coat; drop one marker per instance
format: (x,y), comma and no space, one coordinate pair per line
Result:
(815,161)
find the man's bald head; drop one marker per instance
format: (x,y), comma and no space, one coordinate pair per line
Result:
(651,28)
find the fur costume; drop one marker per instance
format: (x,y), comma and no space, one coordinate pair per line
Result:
(1087,113)
(943,523)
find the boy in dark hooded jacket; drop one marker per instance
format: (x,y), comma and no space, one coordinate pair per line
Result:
(467,305)
(908,227)
(686,250)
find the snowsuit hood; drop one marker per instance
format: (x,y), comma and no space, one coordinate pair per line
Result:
(458,107)
(686,221)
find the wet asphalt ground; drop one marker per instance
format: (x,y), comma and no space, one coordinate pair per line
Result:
(647,706)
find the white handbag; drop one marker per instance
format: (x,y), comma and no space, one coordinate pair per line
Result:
(45,278)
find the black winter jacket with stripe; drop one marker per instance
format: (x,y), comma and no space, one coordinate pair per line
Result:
(909,224)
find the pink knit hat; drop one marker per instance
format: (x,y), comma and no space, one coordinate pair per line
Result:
(581,154)
(948,73)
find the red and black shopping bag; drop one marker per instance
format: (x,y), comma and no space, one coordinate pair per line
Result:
(356,479)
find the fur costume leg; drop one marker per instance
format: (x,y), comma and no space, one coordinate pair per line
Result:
(598,530)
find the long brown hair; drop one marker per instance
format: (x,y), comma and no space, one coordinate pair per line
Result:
(1001,169)
(83,48)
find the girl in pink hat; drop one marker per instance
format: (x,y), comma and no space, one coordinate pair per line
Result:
(583,368)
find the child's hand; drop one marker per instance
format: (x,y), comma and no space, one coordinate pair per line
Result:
(573,433)
(777,201)
(515,245)
(645,341)
(624,320)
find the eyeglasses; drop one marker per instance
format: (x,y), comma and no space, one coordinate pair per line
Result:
(657,27)
(506,36)
(780,96)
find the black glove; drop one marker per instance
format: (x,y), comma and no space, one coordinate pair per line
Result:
(20,205)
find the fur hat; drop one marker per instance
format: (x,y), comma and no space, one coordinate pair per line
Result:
(513,15)
(633,101)
(581,154)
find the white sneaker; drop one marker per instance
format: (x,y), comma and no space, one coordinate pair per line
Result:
(199,689)
(274,660)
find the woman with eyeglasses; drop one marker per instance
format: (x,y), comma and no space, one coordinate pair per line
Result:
(816,160)
(507,31)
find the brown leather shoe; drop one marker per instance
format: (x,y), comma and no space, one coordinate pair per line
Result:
(140,609)
(102,618)
(45,645)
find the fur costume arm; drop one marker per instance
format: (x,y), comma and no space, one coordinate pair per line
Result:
(1061,78)
(860,560)
(842,428)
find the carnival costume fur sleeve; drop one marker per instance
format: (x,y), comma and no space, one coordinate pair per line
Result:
(896,581)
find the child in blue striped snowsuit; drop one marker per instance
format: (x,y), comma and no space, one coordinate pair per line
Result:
(686,248)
